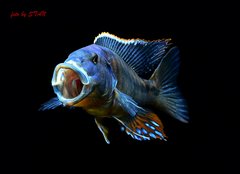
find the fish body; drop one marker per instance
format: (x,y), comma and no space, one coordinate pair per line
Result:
(124,80)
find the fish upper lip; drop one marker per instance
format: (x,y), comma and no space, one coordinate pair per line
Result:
(79,70)
(85,80)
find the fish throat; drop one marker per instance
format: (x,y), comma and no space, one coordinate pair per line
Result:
(69,83)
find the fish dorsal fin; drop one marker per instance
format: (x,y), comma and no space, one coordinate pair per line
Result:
(143,56)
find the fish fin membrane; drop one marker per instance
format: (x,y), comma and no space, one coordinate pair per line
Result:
(165,78)
(140,124)
(145,126)
(51,104)
(142,56)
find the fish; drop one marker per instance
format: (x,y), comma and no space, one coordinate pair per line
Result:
(124,79)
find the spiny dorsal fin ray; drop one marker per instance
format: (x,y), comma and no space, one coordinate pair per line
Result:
(143,56)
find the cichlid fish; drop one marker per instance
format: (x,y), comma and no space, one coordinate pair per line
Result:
(125,80)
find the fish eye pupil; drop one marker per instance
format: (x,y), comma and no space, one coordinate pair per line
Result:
(95,59)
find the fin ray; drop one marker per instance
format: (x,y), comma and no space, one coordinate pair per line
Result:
(51,104)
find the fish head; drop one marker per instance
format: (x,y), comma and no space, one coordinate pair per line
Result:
(85,74)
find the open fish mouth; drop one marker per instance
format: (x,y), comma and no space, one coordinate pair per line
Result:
(71,83)
(68,83)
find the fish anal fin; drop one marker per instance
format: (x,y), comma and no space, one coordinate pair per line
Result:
(149,122)
(145,127)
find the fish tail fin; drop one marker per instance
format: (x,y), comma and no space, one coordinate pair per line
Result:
(165,78)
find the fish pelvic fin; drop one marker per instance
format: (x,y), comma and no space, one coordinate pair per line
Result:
(103,129)
(51,104)
(165,78)
(140,123)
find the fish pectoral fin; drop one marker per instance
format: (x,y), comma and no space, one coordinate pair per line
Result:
(140,123)
(127,103)
(102,128)
(51,104)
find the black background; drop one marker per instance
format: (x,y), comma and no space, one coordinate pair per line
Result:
(69,140)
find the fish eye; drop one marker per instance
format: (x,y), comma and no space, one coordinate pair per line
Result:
(95,59)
